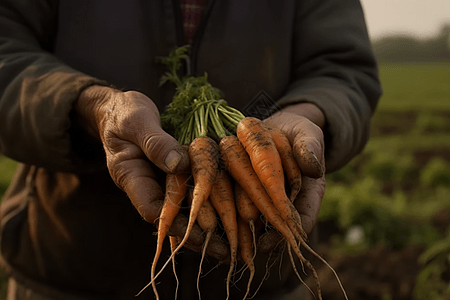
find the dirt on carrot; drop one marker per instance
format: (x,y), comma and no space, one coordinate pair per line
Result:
(207,220)
(247,210)
(290,165)
(222,199)
(258,159)
(204,157)
(246,250)
(266,162)
(176,189)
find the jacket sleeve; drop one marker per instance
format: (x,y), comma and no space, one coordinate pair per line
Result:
(37,91)
(334,68)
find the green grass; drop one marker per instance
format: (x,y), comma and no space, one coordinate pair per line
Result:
(416,86)
(407,143)
(7,167)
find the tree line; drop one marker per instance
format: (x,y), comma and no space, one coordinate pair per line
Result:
(406,48)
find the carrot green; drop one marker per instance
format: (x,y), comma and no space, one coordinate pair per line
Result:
(197,109)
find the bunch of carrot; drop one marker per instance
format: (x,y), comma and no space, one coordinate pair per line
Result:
(238,166)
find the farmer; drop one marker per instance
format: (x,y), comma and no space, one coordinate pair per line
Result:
(79,109)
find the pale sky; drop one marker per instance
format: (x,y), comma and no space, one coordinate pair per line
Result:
(421,18)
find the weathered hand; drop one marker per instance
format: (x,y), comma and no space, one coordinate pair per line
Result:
(128,125)
(300,123)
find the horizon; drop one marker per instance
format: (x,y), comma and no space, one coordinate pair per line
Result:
(415,18)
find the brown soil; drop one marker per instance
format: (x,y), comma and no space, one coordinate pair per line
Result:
(387,122)
(377,274)
(423,156)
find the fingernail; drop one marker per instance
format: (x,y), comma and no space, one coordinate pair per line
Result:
(316,166)
(319,166)
(316,160)
(172,159)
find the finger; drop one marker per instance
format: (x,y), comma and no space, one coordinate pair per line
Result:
(179,226)
(136,178)
(149,201)
(269,241)
(147,197)
(309,200)
(217,247)
(307,141)
(308,149)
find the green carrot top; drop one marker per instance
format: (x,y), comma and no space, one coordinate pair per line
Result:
(197,108)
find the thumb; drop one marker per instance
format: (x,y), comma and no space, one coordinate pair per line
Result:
(165,152)
(144,129)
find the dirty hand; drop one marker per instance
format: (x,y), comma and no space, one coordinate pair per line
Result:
(128,125)
(302,124)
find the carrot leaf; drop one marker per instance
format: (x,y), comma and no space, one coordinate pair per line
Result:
(197,108)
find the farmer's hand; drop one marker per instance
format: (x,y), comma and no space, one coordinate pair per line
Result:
(302,125)
(128,125)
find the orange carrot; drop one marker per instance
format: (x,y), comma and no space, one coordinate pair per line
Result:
(246,249)
(294,176)
(176,188)
(245,206)
(223,201)
(247,210)
(204,158)
(207,220)
(239,166)
(266,162)
(290,165)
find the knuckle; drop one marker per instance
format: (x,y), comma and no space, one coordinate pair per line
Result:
(149,218)
(111,142)
(155,145)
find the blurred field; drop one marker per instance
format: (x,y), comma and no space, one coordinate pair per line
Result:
(7,168)
(415,86)
(384,222)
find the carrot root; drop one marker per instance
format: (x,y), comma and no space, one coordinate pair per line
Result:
(222,199)
(290,165)
(205,245)
(291,257)
(204,157)
(327,264)
(247,251)
(173,245)
(176,188)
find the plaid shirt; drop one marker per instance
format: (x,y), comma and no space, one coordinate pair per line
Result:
(192,11)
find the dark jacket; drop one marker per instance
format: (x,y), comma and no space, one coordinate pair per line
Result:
(63,221)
